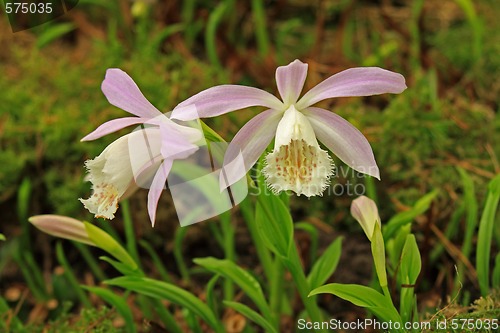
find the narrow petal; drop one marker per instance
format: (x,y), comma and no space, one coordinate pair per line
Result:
(223,99)
(157,187)
(121,91)
(112,126)
(249,143)
(360,81)
(344,140)
(290,80)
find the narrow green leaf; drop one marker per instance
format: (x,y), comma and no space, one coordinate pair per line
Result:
(362,296)
(53,32)
(378,253)
(239,276)
(70,276)
(394,246)
(179,235)
(252,315)
(274,224)
(485,234)
(118,302)
(170,292)
(324,267)
(356,294)
(211,299)
(410,260)
(471,208)
(400,219)
(15,325)
(157,262)
(109,244)
(211,33)
(122,268)
(313,232)
(409,271)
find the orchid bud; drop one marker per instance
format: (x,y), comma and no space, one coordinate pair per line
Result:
(364,210)
(63,227)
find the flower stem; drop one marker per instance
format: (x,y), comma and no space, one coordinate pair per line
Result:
(294,265)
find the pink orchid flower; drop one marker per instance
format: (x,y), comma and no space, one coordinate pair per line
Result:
(297,162)
(132,160)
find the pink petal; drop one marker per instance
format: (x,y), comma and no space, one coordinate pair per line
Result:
(223,99)
(290,80)
(157,187)
(248,144)
(112,126)
(360,81)
(344,140)
(121,91)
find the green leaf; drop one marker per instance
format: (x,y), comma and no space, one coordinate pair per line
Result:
(362,296)
(211,299)
(252,315)
(274,224)
(378,253)
(471,208)
(485,234)
(122,268)
(409,271)
(356,294)
(239,276)
(394,246)
(109,244)
(170,292)
(324,267)
(400,219)
(313,233)
(2,237)
(410,260)
(52,33)
(118,302)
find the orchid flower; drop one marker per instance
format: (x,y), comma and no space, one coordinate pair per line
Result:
(131,160)
(297,162)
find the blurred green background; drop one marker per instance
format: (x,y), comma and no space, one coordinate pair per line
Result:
(447,119)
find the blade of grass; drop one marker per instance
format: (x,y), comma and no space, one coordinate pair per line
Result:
(91,261)
(130,243)
(259,17)
(485,235)
(23,199)
(211,34)
(70,276)
(180,233)
(13,323)
(162,270)
(470,222)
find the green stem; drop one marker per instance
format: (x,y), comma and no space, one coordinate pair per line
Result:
(276,291)
(129,231)
(228,245)
(294,265)
(262,252)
